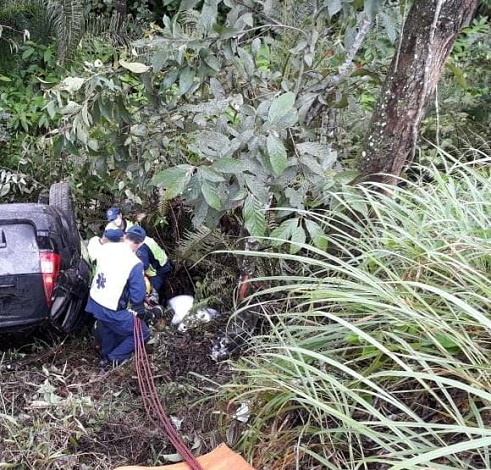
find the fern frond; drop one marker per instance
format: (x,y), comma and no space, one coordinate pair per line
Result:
(190,21)
(196,244)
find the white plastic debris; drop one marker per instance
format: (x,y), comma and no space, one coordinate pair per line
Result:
(176,422)
(181,306)
(221,349)
(242,413)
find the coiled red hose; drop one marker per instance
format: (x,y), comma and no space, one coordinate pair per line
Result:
(153,407)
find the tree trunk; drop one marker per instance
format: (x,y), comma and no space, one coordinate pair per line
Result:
(428,35)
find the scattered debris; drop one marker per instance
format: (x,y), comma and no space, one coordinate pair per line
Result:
(242,413)
(222,348)
(176,422)
(183,315)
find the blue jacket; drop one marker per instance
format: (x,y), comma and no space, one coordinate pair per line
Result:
(148,259)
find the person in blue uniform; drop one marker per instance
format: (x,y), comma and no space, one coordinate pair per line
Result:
(156,264)
(117,295)
(115,220)
(95,244)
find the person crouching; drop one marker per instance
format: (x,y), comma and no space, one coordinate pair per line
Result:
(116,296)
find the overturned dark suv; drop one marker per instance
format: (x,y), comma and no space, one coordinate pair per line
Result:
(44,271)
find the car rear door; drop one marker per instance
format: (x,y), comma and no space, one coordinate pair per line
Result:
(24,275)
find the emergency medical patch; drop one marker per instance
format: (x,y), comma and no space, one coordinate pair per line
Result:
(101,281)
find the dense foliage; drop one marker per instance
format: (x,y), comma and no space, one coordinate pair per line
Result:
(230,118)
(380,356)
(222,95)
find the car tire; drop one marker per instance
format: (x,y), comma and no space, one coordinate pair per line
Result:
(74,323)
(72,318)
(59,307)
(60,197)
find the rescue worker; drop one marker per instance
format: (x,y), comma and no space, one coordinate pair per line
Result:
(95,243)
(115,220)
(155,262)
(117,296)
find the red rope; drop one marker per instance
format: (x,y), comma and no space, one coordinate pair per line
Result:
(153,407)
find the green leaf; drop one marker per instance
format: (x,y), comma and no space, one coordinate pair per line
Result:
(247,61)
(210,193)
(174,180)
(284,231)
(298,238)
(71,84)
(135,67)
(458,74)
(187,4)
(212,62)
(333,7)
(324,152)
(390,26)
(280,107)
(447,342)
(316,233)
(50,107)
(228,165)
(371,8)
(346,177)
(254,216)
(208,173)
(277,154)
(3,78)
(170,78)
(209,14)
(368,73)
(211,144)
(257,185)
(28,53)
(295,197)
(225,32)
(186,80)
(4,189)
(159,60)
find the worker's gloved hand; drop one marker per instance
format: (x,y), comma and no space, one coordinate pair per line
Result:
(138,311)
(148,314)
(154,313)
(152,298)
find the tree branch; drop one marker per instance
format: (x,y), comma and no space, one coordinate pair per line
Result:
(328,84)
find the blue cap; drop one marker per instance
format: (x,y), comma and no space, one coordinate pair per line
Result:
(138,232)
(112,213)
(114,234)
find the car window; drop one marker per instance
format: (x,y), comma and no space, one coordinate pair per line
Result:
(19,253)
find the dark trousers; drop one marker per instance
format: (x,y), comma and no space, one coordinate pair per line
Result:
(115,334)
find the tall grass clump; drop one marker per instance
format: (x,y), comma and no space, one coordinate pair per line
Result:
(376,354)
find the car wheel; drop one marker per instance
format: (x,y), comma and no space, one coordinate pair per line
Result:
(60,197)
(75,319)
(59,307)
(69,318)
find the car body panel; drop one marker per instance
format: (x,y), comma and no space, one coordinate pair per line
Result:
(28,230)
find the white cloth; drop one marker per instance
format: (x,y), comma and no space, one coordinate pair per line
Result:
(181,305)
(94,248)
(114,264)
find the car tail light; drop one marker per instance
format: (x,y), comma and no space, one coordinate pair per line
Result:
(50,267)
